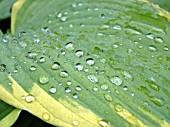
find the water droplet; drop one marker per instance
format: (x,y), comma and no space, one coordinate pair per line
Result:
(103,123)
(79,53)
(153,85)
(64,74)
(44,79)
(67,90)
(32,68)
(90,61)
(74,5)
(125,88)
(53,90)
(166,48)
(117,27)
(118,107)
(152,48)
(75,95)
(59,15)
(75,123)
(157,101)
(150,36)
(2,67)
(64,18)
(158,40)
(15,70)
(42,60)
(46,116)
(108,97)
(93,78)
(79,67)
(68,83)
(32,55)
(102,15)
(78,88)
(55,66)
(29,98)
(10,83)
(104,86)
(95,89)
(69,46)
(116,80)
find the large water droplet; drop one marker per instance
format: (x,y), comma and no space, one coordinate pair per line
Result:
(53,90)
(104,86)
(2,67)
(79,53)
(46,116)
(32,68)
(152,48)
(69,46)
(90,61)
(55,66)
(93,78)
(103,123)
(150,36)
(64,74)
(29,98)
(157,101)
(108,97)
(44,79)
(79,67)
(118,107)
(116,80)
(158,40)
(67,90)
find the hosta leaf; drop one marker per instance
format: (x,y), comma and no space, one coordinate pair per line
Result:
(5,6)
(162,3)
(90,63)
(8,114)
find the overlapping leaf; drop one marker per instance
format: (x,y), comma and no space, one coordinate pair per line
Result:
(90,63)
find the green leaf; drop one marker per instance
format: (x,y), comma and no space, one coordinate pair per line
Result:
(91,63)
(8,114)
(5,6)
(162,3)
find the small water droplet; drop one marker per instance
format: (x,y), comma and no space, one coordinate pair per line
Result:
(75,123)
(116,80)
(79,67)
(42,60)
(117,27)
(64,18)
(46,116)
(102,15)
(32,68)
(31,55)
(29,98)
(153,85)
(64,74)
(78,88)
(75,95)
(44,79)
(53,90)
(157,101)
(152,48)
(59,15)
(93,78)
(104,86)
(67,90)
(108,97)
(69,46)
(125,88)
(118,107)
(74,5)
(95,89)
(158,40)
(15,70)
(150,36)
(166,48)
(2,67)
(10,83)
(90,61)
(55,66)
(79,53)
(68,83)
(103,123)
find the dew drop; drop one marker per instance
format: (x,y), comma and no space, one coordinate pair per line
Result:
(75,95)
(75,123)
(116,80)
(2,67)
(108,97)
(90,61)
(69,46)
(55,66)
(29,98)
(15,70)
(125,88)
(46,116)
(10,83)
(32,68)
(44,79)
(157,101)
(95,89)
(78,88)
(67,90)
(158,40)
(118,107)
(53,90)
(74,5)
(150,36)
(102,15)
(104,86)
(152,48)
(79,67)
(166,48)
(103,123)
(79,53)
(68,83)
(64,18)
(64,74)
(93,78)
(32,55)
(42,60)
(117,27)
